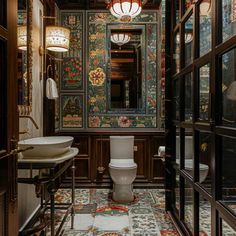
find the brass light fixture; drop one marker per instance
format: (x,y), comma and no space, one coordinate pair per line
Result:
(22,37)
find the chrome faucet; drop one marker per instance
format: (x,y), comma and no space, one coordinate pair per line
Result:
(31,118)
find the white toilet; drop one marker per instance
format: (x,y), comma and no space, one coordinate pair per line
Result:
(122,167)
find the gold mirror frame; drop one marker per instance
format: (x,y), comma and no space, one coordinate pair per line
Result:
(26,109)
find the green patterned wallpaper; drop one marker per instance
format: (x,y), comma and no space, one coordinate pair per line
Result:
(92,87)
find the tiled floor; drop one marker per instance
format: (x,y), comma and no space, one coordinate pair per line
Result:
(97,214)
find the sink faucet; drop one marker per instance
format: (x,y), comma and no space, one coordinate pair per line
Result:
(33,121)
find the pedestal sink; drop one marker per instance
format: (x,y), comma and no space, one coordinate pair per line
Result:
(45,147)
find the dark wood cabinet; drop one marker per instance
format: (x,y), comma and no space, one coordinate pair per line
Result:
(92,162)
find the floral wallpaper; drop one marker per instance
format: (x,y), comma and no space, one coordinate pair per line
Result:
(99,116)
(85,94)
(72,65)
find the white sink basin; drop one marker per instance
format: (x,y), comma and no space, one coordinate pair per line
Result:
(45,147)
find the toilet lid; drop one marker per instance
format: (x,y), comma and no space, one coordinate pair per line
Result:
(122,163)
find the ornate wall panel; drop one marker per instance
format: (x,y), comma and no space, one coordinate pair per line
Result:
(71,111)
(72,65)
(92,59)
(98,112)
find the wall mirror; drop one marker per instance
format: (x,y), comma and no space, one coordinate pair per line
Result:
(126,69)
(24,56)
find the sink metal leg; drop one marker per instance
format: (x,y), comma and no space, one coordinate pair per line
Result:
(52,190)
(73,194)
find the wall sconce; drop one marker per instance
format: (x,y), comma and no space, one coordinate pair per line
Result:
(57,38)
(22,37)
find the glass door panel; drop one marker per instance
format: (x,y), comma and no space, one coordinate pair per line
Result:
(188,152)
(188,40)
(176,53)
(188,206)
(229,88)
(204,92)
(228,19)
(204,217)
(228,164)
(204,27)
(188,4)
(205,161)
(176,99)
(188,90)
(227,230)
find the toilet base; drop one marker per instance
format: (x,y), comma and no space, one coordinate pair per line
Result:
(122,193)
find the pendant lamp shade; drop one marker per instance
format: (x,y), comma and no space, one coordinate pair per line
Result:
(120,38)
(125,10)
(57,38)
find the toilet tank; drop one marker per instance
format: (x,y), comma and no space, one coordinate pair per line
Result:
(122,147)
(188,147)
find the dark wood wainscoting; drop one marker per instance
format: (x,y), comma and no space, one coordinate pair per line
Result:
(94,157)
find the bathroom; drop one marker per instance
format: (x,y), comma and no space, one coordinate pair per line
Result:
(149,120)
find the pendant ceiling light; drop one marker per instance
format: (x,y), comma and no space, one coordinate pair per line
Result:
(120,38)
(125,10)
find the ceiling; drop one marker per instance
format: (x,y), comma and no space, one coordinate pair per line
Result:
(98,4)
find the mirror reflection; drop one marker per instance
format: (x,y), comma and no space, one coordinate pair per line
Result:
(126,67)
(22,53)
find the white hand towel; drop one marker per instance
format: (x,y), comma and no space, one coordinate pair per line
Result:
(51,89)
(161,151)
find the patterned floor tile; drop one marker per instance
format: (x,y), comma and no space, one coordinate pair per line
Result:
(144,224)
(109,223)
(98,215)
(82,222)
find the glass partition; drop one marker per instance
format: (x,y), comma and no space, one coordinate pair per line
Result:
(205,27)
(229,88)
(188,40)
(204,92)
(228,19)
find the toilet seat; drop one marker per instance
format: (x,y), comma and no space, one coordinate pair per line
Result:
(122,163)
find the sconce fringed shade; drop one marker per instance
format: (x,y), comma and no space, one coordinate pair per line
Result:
(57,38)
(120,39)
(205,7)
(22,37)
(125,10)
